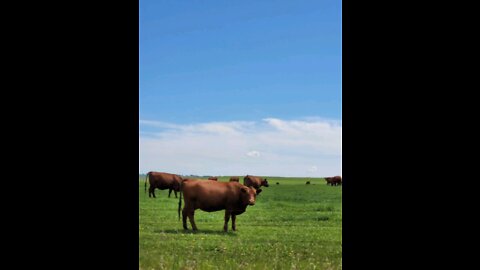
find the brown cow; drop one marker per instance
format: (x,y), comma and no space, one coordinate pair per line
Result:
(213,178)
(162,181)
(214,196)
(337,180)
(328,180)
(234,179)
(255,181)
(334,181)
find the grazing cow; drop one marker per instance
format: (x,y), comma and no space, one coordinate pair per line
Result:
(162,181)
(213,178)
(255,181)
(278,183)
(214,196)
(334,181)
(337,180)
(234,179)
(307,183)
(328,180)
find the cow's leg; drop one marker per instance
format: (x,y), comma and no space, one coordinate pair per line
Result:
(174,191)
(184,218)
(151,190)
(227,217)
(169,192)
(191,216)
(234,226)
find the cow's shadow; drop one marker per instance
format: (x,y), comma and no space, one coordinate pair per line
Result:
(182,231)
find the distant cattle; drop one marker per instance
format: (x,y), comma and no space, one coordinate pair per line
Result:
(334,181)
(162,181)
(328,180)
(234,179)
(255,181)
(213,178)
(214,196)
(307,183)
(278,183)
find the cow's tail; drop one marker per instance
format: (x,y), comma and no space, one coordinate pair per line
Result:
(146,177)
(180,200)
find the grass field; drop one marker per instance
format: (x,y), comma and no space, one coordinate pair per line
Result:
(291,226)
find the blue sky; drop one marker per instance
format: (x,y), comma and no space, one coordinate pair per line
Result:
(234,65)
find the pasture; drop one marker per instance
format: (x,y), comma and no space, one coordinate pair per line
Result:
(291,226)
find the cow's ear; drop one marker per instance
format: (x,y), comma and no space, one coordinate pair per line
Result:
(243,190)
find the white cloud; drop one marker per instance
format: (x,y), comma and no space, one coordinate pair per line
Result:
(253,154)
(273,147)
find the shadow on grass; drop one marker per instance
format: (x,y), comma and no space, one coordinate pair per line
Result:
(181,231)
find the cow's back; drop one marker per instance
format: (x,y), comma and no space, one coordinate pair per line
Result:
(252,181)
(163,180)
(209,195)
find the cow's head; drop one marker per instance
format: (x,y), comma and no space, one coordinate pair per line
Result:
(248,195)
(264,182)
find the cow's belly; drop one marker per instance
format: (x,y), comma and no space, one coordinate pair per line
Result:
(210,208)
(238,212)
(163,186)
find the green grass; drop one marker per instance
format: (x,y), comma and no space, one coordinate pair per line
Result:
(292,226)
